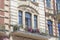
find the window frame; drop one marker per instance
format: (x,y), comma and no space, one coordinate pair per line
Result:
(30,25)
(34,0)
(20,21)
(35,20)
(59,28)
(48,3)
(50,27)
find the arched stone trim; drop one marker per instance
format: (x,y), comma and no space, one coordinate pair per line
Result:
(50,20)
(28,12)
(20,10)
(24,7)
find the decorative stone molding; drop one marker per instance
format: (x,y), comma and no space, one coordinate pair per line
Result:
(28,9)
(27,36)
(35,3)
(28,4)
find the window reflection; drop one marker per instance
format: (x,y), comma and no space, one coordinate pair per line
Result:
(28,19)
(35,21)
(48,3)
(59,28)
(20,17)
(34,0)
(50,28)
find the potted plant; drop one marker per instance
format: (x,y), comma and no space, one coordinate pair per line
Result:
(2,27)
(30,29)
(21,27)
(26,28)
(37,30)
(15,28)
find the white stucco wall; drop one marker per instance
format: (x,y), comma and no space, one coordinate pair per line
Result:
(42,16)
(13,11)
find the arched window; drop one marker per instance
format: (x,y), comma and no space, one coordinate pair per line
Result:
(50,27)
(20,17)
(28,19)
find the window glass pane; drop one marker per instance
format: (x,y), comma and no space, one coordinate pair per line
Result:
(28,19)
(58,4)
(57,1)
(35,21)
(28,15)
(49,22)
(50,28)
(34,0)
(20,13)
(59,28)
(48,3)
(41,0)
(20,20)
(20,17)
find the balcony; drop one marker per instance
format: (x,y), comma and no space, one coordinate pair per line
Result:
(26,29)
(58,15)
(30,33)
(27,33)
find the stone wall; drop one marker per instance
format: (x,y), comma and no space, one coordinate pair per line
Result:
(25,38)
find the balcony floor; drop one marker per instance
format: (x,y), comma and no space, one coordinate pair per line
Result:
(30,35)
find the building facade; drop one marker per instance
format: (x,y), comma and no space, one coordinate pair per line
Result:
(4,19)
(27,14)
(52,17)
(23,19)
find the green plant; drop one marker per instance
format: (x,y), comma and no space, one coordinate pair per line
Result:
(2,28)
(21,26)
(26,28)
(15,27)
